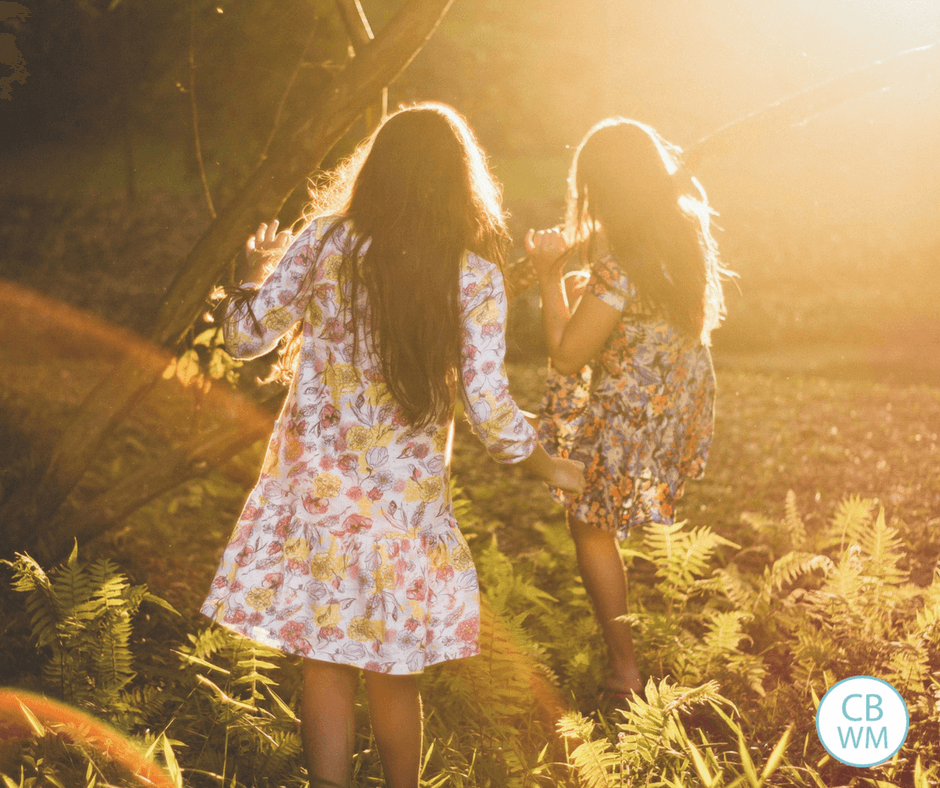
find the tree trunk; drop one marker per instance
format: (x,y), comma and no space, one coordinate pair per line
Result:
(298,150)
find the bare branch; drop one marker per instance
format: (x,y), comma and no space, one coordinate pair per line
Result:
(355,22)
(360,34)
(275,125)
(194,109)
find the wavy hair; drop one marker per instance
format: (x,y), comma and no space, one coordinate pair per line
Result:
(628,181)
(416,196)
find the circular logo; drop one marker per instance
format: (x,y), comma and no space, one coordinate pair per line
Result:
(862,721)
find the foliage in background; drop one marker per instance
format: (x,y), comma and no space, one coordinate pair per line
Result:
(743,641)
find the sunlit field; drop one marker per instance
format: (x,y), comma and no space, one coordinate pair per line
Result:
(807,554)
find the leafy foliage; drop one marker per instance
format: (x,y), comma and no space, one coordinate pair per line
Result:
(744,641)
(81,618)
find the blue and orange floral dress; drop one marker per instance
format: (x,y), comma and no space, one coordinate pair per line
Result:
(640,416)
(347,549)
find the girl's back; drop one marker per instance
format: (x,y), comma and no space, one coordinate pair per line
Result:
(353,501)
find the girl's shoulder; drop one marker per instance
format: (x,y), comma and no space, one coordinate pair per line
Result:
(334,227)
(474,268)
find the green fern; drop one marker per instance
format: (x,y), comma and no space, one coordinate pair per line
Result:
(786,570)
(724,631)
(739,589)
(883,550)
(852,516)
(796,529)
(596,761)
(681,557)
(81,617)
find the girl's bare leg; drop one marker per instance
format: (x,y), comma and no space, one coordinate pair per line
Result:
(395,711)
(327,722)
(605,580)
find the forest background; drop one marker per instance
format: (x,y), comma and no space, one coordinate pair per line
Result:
(828,364)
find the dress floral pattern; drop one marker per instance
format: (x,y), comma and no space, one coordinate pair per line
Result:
(347,549)
(640,417)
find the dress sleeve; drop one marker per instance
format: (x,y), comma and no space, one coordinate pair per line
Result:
(493,414)
(255,321)
(610,285)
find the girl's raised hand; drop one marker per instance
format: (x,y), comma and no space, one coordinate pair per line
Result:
(547,250)
(266,242)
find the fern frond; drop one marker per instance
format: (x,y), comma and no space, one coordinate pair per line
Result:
(724,631)
(739,591)
(651,730)
(852,515)
(208,642)
(813,653)
(927,624)
(790,567)
(794,524)
(250,669)
(844,586)
(42,606)
(73,588)
(908,666)
(595,760)
(884,550)
(678,698)
(681,556)
(285,753)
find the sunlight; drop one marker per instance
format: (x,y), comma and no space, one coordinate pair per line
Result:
(24,714)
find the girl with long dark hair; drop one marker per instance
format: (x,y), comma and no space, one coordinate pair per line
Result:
(631,391)
(347,552)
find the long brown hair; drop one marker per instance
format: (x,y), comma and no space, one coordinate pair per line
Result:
(416,196)
(628,181)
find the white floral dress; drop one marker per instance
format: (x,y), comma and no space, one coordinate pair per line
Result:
(347,549)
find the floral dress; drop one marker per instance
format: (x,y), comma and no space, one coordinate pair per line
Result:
(347,549)
(640,417)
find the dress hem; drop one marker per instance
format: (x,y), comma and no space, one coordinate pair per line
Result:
(293,651)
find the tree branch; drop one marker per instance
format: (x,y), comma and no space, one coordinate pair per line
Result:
(194,109)
(276,123)
(360,35)
(355,22)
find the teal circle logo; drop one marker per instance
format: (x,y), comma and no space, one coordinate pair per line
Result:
(862,721)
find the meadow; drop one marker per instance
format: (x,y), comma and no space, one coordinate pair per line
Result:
(807,554)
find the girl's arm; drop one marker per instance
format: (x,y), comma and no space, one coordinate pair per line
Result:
(254,323)
(493,414)
(572,339)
